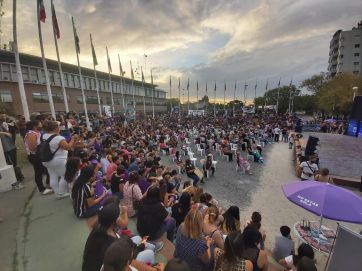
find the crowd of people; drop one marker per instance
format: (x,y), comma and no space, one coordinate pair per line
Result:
(118,172)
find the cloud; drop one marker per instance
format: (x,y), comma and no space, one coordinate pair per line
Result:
(209,41)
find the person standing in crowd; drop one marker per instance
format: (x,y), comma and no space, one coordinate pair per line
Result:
(56,167)
(291,139)
(308,168)
(31,141)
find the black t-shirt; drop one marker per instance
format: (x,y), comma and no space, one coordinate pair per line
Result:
(188,168)
(115,182)
(94,250)
(179,213)
(150,218)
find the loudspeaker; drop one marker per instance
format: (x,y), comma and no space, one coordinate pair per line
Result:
(311,145)
(357,108)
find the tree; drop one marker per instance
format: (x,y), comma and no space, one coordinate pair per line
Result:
(271,97)
(315,83)
(336,95)
(173,101)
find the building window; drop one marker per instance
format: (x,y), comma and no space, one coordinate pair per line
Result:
(5,72)
(33,75)
(79,100)
(356,46)
(92,100)
(25,73)
(40,97)
(70,80)
(76,81)
(356,63)
(5,96)
(356,54)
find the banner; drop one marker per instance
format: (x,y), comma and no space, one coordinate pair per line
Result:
(107,110)
(196,112)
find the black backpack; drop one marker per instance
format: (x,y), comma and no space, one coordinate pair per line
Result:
(43,152)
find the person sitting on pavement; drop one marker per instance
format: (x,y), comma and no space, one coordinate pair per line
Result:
(231,220)
(291,261)
(252,253)
(232,258)
(284,245)
(323,176)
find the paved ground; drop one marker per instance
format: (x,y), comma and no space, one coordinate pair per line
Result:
(41,233)
(341,154)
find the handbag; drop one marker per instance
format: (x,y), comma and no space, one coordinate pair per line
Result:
(135,203)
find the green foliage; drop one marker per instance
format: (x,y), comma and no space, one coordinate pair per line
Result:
(315,83)
(271,97)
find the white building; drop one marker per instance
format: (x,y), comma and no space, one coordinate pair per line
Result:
(345,53)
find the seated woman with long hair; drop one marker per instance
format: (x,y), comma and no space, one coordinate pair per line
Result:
(211,226)
(85,205)
(232,258)
(231,220)
(191,245)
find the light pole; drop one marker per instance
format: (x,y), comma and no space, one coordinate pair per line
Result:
(355,89)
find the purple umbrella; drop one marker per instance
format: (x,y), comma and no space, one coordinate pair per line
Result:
(325,200)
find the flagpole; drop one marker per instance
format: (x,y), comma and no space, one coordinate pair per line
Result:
(224,97)
(234,100)
(207,98)
(188,96)
(256,85)
(245,87)
(110,82)
(179,98)
(122,82)
(215,101)
(95,78)
(277,109)
(170,97)
(19,74)
(49,91)
(144,91)
(81,81)
(290,95)
(153,90)
(266,93)
(197,94)
(133,90)
(59,64)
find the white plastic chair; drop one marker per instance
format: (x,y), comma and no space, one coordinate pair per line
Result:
(187,141)
(193,159)
(234,147)
(189,151)
(199,149)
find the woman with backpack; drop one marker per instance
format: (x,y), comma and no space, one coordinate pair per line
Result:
(31,141)
(54,154)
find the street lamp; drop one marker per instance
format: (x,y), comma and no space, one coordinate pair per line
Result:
(355,89)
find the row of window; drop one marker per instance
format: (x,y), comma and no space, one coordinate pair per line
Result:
(42,97)
(37,76)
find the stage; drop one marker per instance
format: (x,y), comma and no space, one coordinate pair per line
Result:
(341,154)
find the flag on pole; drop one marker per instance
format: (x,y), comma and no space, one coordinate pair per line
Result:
(55,22)
(42,14)
(179,84)
(215,87)
(266,86)
(132,74)
(206,88)
(279,82)
(143,77)
(76,38)
(256,85)
(197,86)
(291,83)
(235,86)
(109,61)
(225,87)
(120,66)
(170,81)
(95,61)
(188,83)
(151,78)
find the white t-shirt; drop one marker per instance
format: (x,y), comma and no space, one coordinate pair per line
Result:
(54,144)
(308,168)
(289,261)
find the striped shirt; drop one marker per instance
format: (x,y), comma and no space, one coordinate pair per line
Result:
(80,200)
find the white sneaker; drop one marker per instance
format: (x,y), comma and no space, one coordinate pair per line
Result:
(62,196)
(47,191)
(17,186)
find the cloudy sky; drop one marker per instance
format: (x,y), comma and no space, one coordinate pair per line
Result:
(208,41)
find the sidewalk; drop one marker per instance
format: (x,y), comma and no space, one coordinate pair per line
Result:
(12,205)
